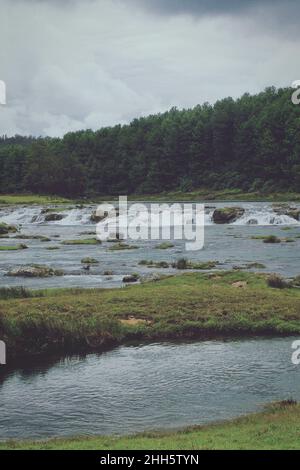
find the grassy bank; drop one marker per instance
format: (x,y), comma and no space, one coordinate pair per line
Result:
(31,199)
(224,195)
(277,428)
(186,306)
(196,195)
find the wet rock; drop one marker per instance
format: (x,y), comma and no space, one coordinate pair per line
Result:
(5,229)
(285,209)
(294,214)
(252,222)
(227,215)
(96,218)
(34,271)
(53,217)
(131,278)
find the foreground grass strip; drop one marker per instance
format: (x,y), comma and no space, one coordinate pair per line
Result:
(31,199)
(187,306)
(277,428)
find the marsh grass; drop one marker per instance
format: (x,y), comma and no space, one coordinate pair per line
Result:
(187,306)
(85,241)
(13,247)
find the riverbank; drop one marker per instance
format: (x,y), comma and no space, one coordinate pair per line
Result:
(276,428)
(193,305)
(201,195)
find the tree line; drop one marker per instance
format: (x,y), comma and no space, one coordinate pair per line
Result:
(251,143)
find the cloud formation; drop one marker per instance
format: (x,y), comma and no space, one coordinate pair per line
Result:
(72,65)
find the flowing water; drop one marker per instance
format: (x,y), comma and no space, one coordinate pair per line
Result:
(155,386)
(231,245)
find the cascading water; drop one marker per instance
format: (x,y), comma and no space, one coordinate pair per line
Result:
(259,214)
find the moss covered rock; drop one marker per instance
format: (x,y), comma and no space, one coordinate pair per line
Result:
(5,229)
(35,271)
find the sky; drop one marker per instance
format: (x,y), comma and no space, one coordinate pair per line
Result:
(76,64)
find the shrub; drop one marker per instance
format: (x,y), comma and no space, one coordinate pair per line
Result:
(277,282)
(182,263)
(14,293)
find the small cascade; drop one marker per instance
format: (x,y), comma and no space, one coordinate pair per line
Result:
(20,215)
(76,217)
(260,214)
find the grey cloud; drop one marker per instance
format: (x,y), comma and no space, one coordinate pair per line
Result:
(209,6)
(104,62)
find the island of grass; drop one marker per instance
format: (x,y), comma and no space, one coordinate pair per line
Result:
(122,246)
(86,241)
(13,247)
(193,305)
(275,428)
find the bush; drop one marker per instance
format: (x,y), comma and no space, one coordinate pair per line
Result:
(182,263)
(14,293)
(277,282)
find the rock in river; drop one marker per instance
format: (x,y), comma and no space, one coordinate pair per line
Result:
(227,215)
(53,217)
(5,229)
(35,271)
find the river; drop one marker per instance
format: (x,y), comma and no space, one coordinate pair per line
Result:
(232,245)
(147,387)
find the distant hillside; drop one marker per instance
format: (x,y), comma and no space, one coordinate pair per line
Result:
(252,143)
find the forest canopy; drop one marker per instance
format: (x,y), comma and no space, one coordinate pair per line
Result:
(252,144)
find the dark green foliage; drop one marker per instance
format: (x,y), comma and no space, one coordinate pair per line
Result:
(251,144)
(182,263)
(14,293)
(277,282)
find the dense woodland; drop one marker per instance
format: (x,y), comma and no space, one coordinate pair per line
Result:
(252,143)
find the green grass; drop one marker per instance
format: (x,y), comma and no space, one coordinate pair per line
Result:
(202,194)
(276,428)
(165,246)
(87,241)
(13,247)
(187,306)
(31,199)
(122,246)
(205,194)
(89,261)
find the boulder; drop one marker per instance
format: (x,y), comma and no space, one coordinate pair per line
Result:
(96,218)
(53,217)
(131,278)
(285,209)
(35,271)
(227,215)
(294,214)
(252,222)
(5,229)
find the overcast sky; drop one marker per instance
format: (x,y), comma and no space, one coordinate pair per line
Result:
(75,64)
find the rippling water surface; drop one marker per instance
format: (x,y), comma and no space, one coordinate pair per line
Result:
(138,388)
